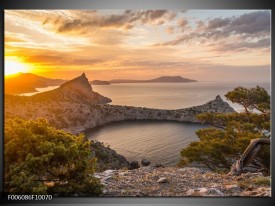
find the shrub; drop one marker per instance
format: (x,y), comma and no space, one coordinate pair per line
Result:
(40,159)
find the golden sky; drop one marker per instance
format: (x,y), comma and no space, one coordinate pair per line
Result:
(215,45)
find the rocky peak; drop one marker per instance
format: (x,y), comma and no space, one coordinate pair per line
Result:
(218,97)
(76,90)
(216,105)
(80,82)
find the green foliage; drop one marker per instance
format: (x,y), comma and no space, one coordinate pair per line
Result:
(231,133)
(254,182)
(40,159)
(261,181)
(254,98)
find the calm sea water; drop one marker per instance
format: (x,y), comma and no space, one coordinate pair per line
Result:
(159,142)
(170,95)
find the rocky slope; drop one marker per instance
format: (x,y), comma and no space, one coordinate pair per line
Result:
(107,158)
(173,181)
(77,90)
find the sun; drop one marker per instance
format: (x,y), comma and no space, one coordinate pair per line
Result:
(13,67)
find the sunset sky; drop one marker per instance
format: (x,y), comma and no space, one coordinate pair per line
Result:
(215,45)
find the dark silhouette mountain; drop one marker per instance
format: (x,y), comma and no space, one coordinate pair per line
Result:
(171,79)
(76,90)
(27,82)
(99,82)
(163,79)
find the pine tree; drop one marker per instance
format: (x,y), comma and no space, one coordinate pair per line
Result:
(40,159)
(230,134)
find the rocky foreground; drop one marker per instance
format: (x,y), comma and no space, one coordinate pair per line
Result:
(188,181)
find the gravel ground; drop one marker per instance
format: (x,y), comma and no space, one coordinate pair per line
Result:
(189,181)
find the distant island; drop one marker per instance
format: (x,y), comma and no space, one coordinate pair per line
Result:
(99,82)
(162,79)
(27,82)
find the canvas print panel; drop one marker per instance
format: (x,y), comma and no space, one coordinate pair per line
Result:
(137,102)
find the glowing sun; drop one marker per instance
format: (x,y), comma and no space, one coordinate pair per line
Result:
(13,67)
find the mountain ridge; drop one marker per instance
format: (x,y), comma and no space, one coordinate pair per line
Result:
(28,82)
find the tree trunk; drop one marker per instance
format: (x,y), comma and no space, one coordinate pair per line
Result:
(249,154)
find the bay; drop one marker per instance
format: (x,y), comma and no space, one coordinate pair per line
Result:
(159,142)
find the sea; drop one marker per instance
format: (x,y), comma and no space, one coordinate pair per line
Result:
(158,141)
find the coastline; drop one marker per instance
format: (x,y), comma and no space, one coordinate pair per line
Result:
(76,117)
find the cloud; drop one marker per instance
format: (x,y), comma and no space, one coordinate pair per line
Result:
(178,40)
(11,37)
(155,64)
(251,23)
(60,60)
(241,46)
(84,22)
(182,24)
(170,30)
(249,30)
(105,27)
(218,23)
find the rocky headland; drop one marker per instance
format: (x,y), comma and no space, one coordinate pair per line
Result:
(75,107)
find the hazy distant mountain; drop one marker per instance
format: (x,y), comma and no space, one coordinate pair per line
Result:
(163,79)
(76,90)
(27,82)
(99,82)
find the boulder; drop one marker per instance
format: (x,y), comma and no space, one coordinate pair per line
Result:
(134,165)
(190,192)
(163,180)
(145,162)
(230,187)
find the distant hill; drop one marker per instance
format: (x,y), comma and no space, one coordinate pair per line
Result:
(163,79)
(77,90)
(99,82)
(27,82)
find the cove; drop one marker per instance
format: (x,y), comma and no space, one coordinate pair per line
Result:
(158,141)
